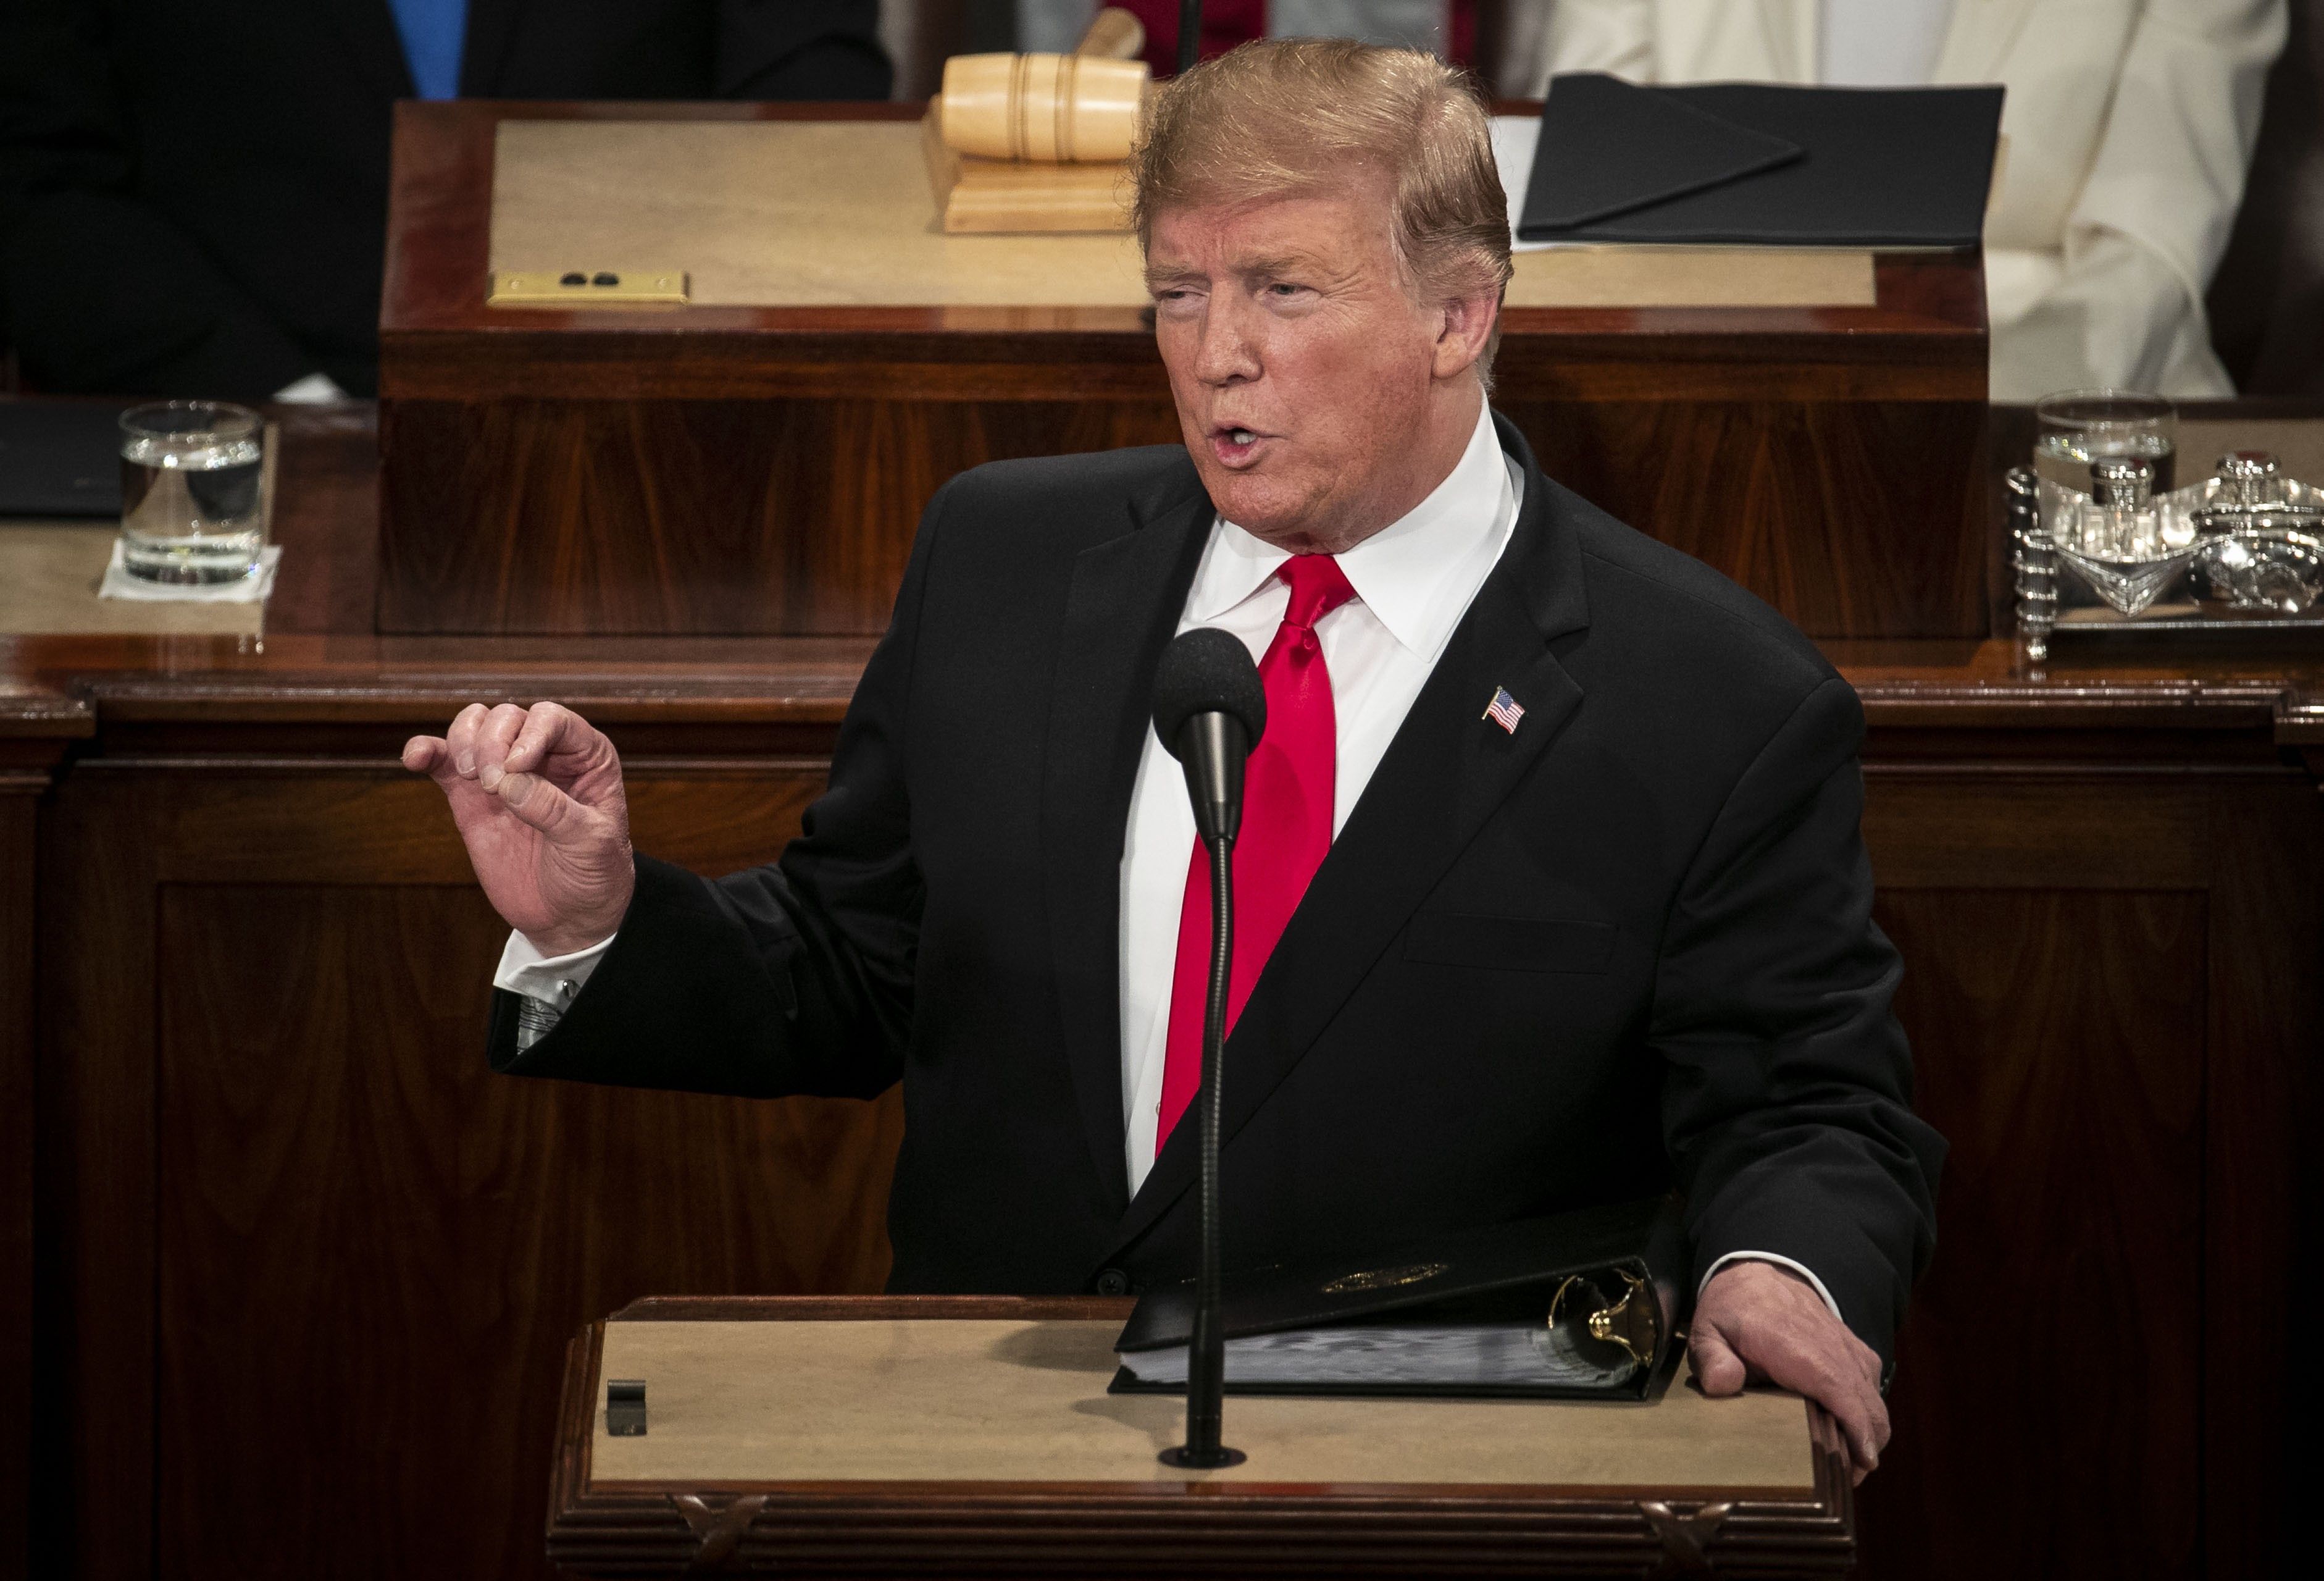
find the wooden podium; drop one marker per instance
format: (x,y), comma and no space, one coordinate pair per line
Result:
(942,1436)
(753,462)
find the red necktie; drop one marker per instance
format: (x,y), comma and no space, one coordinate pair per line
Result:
(1287,828)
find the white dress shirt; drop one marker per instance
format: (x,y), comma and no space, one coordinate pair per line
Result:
(1414,581)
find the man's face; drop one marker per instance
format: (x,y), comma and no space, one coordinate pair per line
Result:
(1302,367)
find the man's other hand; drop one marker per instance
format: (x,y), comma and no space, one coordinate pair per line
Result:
(537,795)
(1759,1323)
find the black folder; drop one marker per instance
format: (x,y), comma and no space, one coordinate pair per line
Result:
(1759,164)
(1557,1307)
(59,459)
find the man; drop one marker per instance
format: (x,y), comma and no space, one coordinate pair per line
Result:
(193,200)
(1552,890)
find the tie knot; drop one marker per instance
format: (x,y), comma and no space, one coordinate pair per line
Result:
(1318,587)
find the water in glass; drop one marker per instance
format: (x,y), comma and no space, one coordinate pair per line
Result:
(190,511)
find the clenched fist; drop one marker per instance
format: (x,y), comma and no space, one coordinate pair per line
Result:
(537,795)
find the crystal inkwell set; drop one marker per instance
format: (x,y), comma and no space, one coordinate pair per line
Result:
(2101,541)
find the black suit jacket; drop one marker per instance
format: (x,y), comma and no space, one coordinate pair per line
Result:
(1628,944)
(193,198)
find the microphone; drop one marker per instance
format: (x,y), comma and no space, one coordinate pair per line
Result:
(1210,711)
(1189,44)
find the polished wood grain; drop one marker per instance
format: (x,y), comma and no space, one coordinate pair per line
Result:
(367,1171)
(1856,518)
(39,723)
(2070,1086)
(262,1138)
(1153,1529)
(771,516)
(761,470)
(26,763)
(314,1148)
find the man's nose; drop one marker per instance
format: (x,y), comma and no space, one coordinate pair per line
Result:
(1227,353)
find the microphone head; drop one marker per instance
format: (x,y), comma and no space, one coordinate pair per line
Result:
(1207,671)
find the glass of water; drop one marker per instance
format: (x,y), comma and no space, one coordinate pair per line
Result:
(190,511)
(2080,427)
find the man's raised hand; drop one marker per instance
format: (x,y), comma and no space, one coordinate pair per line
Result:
(1757,1322)
(537,795)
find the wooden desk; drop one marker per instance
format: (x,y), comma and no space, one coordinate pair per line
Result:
(306,1273)
(935,1436)
(758,467)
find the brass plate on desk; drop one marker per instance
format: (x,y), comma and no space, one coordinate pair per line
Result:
(586,288)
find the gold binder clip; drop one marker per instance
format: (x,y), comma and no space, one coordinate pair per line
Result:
(1634,1323)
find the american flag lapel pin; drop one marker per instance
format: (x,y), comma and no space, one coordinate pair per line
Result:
(1504,710)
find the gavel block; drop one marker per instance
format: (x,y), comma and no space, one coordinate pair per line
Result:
(1035,143)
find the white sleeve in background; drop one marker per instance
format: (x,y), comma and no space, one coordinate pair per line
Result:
(2152,217)
(2113,314)
(1804,1271)
(553,980)
(1616,36)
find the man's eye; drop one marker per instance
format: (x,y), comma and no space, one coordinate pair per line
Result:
(1283,287)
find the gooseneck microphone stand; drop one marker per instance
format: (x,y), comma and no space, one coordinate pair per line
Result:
(1206,1359)
(1210,709)
(1190,33)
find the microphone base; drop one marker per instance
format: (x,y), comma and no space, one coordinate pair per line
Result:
(1191,1459)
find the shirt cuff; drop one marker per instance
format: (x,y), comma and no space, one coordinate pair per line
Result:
(554,980)
(1804,1271)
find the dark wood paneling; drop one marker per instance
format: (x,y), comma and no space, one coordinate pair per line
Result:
(17,825)
(759,470)
(2055,1347)
(777,517)
(2261,1279)
(314,1265)
(794,517)
(2038,834)
(1856,519)
(340,1162)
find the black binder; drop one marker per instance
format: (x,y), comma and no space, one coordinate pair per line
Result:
(59,459)
(1760,164)
(1558,1308)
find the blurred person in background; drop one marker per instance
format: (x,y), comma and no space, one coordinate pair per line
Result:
(2130,126)
(193,198)
(1444,28)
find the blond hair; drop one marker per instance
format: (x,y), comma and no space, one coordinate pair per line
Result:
(1281,117)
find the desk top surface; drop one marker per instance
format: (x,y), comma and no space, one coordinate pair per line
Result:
(839,214)
(444,239)
(1017,1400)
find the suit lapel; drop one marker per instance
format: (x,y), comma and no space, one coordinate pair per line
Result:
(1448,770)
(1121,608)
(491,30)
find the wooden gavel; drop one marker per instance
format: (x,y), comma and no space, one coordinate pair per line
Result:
(1082,108)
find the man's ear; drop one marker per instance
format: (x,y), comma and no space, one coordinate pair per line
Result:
(1464,332)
